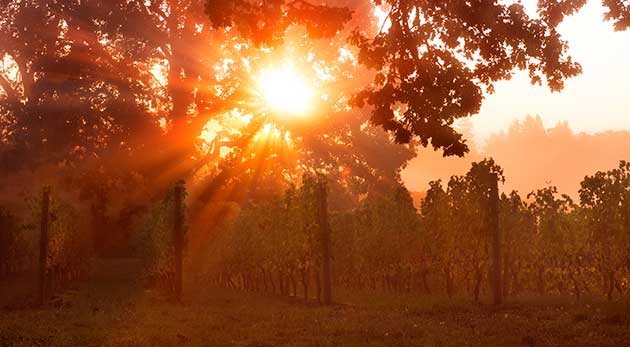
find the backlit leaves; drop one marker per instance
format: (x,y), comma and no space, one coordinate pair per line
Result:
(265,22)
(439,56)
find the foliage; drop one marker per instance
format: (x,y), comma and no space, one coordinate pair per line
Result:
(158,241)
(75,97)
(549,244)
(124,89)
(69,242)
(129,86)
(268,23)
(377,242)
(16,248)
(272,243)
(70,246)
(606,197)
(437,59)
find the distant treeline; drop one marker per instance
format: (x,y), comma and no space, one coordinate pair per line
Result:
(530,154)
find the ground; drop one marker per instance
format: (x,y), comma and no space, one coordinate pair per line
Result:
(113,309)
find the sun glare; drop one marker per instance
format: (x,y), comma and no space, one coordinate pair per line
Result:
(284,91)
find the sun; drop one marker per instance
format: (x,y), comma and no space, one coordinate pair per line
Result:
(284,91)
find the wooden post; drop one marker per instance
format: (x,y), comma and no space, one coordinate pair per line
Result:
(324,228)
(178,236)
(496,239)
(43,245)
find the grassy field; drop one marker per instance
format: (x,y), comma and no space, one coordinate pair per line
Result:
(112,309)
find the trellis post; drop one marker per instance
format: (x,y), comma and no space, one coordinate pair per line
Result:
(324,227)
(178,236)
(496,239)
(43,245)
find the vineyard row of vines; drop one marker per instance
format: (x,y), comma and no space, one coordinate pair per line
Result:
(57,243)
(549,243)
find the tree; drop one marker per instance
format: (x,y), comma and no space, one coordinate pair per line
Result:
(618,12)
(74,89)
(113,96)
(98,61)
(438,58)
(15,250)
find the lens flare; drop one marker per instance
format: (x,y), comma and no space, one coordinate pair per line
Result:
(284,91)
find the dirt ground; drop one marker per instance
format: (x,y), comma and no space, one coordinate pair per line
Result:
(113,309)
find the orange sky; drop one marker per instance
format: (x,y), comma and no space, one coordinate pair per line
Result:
(594,102)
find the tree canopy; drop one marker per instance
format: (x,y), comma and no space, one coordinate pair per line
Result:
(134,85)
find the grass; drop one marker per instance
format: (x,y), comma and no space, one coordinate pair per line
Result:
(112,309)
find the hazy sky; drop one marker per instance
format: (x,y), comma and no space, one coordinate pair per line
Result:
(597,100)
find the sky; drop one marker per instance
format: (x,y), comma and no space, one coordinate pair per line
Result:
(597,100)
(575,132)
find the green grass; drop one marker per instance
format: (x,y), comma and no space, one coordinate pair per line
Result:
(111,311)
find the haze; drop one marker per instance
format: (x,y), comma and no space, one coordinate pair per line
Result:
(594,103)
